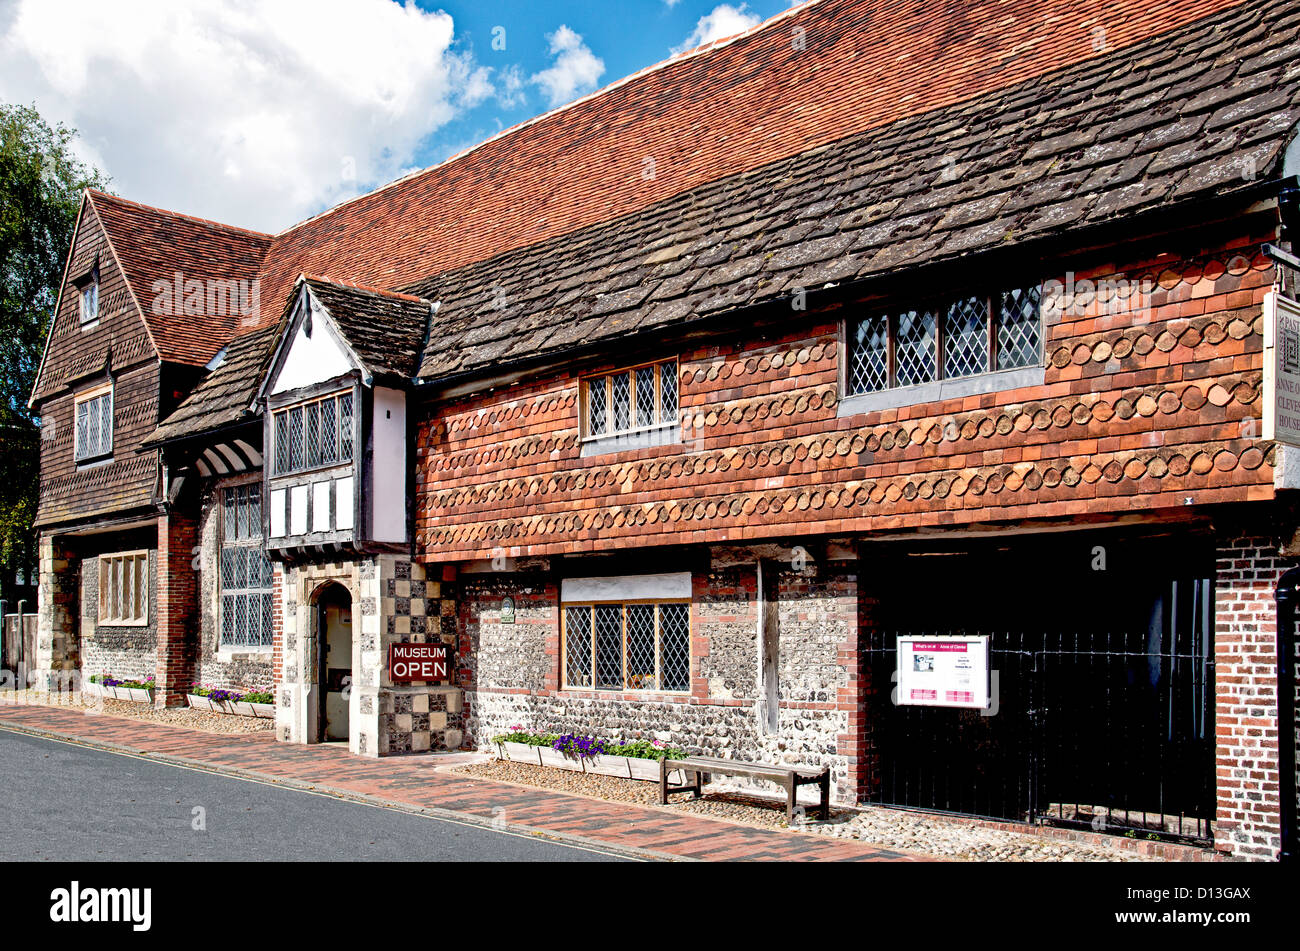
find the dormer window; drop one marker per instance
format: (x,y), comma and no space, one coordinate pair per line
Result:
(314,434)
(89,307)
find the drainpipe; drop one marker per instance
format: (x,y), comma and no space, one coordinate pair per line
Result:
(1288,597)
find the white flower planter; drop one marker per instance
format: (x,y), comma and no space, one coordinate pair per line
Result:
(241,708)
(130,694)
(556,759)
(519,753)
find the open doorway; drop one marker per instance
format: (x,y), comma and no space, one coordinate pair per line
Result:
(333,619)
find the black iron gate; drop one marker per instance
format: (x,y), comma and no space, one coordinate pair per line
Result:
(1111,731)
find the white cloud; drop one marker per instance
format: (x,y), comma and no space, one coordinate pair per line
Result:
(576,70)
(510,89)
(257,114)
(722,20)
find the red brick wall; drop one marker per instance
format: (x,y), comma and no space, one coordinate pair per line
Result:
(1245,646)
(1147,402)
(177,602)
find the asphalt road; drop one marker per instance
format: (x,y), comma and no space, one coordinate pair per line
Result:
(63,802)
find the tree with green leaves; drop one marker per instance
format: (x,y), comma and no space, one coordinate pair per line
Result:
(41,181)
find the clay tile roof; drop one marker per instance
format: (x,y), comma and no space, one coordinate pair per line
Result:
(812,75)
(223,397)
(1202,111)
(385,329)
(153,245)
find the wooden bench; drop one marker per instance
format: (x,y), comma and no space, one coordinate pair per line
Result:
(790,777)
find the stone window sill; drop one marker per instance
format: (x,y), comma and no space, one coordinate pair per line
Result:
(941,390)
(665,435)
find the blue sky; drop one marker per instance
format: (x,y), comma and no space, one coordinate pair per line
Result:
(639,34)
(261,114)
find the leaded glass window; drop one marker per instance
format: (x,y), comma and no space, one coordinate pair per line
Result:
(633,646)
(960,337)
(644,397)
(315,434)
(245,572)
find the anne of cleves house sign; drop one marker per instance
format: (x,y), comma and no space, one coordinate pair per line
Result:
(934,322)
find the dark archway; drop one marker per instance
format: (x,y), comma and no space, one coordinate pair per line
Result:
(332,619)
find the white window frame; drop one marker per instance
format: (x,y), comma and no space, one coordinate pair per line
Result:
(88,313)
(135,567)
(662,370)
(623,605)
(104,447)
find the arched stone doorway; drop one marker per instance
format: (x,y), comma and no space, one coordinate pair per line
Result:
(332,623)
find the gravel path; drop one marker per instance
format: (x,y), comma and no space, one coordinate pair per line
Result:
(203,720)
(889,828)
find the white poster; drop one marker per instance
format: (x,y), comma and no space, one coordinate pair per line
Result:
(1281,369)
(943,671)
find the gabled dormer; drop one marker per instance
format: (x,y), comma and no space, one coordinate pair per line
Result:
(337,474)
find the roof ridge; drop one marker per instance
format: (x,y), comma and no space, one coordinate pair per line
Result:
(366,288)
(96,193)
(672,60)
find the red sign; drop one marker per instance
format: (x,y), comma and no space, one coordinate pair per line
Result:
(408,663)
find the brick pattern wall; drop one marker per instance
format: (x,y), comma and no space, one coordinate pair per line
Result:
(515,677)
(1246,695)
(177,600)
(1151,396)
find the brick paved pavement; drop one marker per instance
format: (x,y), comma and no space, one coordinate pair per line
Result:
(413,782)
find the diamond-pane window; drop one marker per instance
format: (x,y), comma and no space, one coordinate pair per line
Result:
(637,646)
(1020,324)
(296,444)
(645,396)
(641,398)
(869,355)
(667,392)
(329,432)
(609,647)
(94,431)
(281,442)
(1011,318)
(597,406)
(641,659)
(675,646)
(966,338)
(577,646)
(345,427)
(915,347)
(313,434)
(246,576)
(620,394)
(318,433)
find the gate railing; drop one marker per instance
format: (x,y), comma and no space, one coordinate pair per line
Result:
(1110,731)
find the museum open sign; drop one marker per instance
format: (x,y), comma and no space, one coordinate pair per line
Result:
(409,663)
